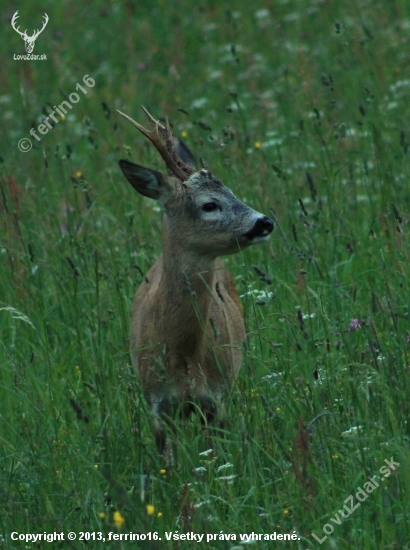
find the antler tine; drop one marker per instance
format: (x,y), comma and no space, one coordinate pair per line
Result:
(39,31)
(168,150)
(151,119)
(13,24)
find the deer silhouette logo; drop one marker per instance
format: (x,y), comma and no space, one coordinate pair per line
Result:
(29,41)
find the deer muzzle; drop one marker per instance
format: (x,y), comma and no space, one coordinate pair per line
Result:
(261,230)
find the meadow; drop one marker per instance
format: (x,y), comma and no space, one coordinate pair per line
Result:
(302,108)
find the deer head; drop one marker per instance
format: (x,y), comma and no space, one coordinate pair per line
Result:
(28,40)
(202,215)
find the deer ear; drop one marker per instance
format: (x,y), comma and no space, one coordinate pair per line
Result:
(147,182)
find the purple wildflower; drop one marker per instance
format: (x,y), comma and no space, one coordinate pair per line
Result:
(354,324)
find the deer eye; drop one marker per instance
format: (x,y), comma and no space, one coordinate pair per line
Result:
(209,206)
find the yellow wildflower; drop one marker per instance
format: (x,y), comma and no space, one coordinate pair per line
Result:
(118,519)
(150,509)
(257,144)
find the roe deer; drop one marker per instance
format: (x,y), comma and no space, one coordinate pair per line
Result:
(187,323)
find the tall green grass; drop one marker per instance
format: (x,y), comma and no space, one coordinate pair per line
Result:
(302,108)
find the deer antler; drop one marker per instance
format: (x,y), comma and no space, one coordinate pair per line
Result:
(13,24)
(36,33)
(168,150)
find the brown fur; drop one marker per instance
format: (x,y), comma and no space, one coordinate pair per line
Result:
(180,319)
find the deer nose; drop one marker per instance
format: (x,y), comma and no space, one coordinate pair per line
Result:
(266,225)
(263,226)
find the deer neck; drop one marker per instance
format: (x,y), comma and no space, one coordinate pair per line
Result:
(184,295)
